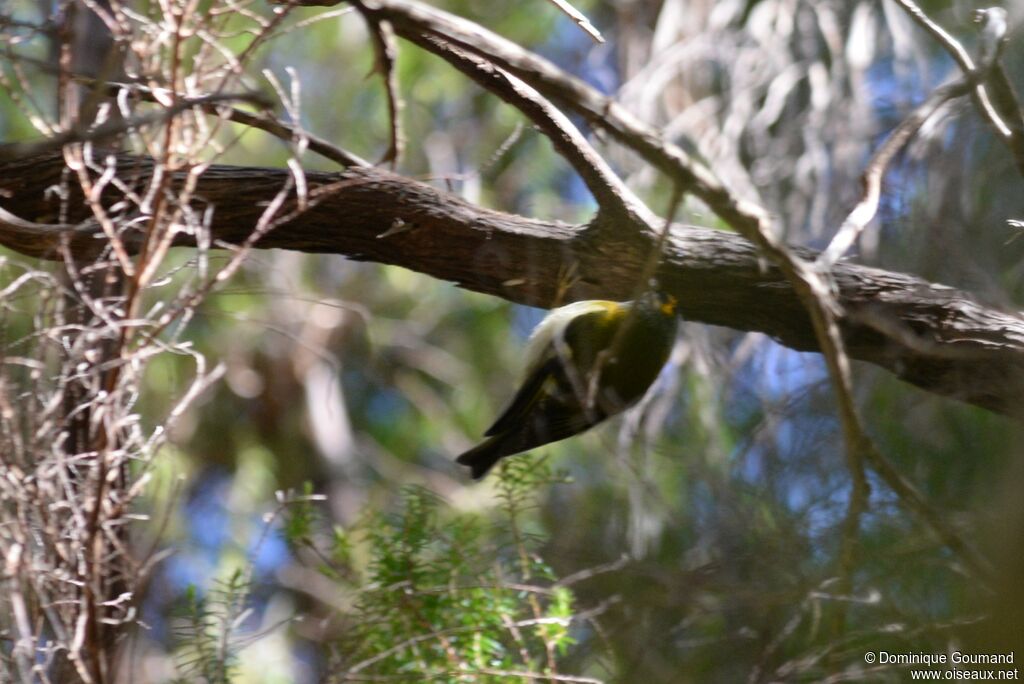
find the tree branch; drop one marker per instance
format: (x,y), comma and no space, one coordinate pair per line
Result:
(982,101)
(614,198)
(871,180)
(935,337)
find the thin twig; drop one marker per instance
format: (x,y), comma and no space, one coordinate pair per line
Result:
(579,18)
(114,128)
(614,198)
(585,574)
(386,51)
(871,180)
(287,132)
(529,622)
(279,129)
(263,122)
(993,25)
(959,54)
(980,94)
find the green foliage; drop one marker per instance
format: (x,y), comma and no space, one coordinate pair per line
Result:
(435,597)
(298,525)
(206,631)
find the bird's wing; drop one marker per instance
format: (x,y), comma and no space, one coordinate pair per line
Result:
(545,409)
(545,373)
(545,421)
(526,396)
(541,345)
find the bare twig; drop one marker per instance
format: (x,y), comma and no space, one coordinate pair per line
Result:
(993,26)
(614,198)
(437,634)
(386,50)
(585,574)
(262,121)
(276,128)
(532,676)
(871,180)
(287,132)
(961,57)
(579,18)
(111,129)
(980,94)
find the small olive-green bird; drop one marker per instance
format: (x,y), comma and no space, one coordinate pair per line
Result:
(585,362)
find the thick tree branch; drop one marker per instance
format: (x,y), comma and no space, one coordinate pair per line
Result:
(935,337)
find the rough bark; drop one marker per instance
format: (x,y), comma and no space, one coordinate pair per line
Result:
(936,337)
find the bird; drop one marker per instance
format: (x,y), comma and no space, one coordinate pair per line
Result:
(585,362)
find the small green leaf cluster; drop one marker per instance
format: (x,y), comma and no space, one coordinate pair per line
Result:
(435,597)
(205,631)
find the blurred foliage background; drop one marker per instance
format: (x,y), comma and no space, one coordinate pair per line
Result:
(705,522)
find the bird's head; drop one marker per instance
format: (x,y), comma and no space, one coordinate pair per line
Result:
(659,301)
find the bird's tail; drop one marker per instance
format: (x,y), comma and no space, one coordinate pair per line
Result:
(483,456)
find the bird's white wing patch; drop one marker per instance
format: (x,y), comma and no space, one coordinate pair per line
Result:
(540,346)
